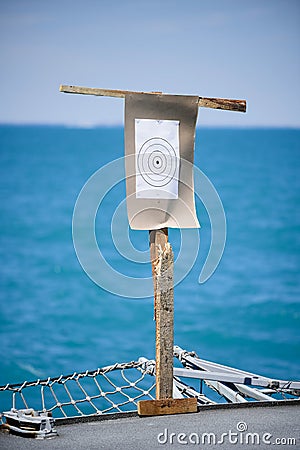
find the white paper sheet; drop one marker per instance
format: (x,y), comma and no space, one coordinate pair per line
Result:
(157,158)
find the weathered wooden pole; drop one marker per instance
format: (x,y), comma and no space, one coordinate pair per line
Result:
(162,261)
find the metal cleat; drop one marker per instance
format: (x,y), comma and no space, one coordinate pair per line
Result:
(29,423)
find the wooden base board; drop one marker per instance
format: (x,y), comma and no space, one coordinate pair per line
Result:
(167,406)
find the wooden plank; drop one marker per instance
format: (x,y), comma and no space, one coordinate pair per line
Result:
(167,406)
(204,102)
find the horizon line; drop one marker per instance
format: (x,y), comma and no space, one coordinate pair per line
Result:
(120,125)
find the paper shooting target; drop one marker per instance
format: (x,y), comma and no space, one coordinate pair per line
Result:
(157,158)
(157,162)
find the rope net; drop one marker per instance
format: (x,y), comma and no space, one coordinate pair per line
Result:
(118,388)
(111,389)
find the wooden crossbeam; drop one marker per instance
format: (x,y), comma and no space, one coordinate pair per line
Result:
(204,102)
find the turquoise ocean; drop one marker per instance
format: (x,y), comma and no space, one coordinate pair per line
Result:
(54,320)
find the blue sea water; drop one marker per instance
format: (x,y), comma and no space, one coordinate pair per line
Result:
(55,320)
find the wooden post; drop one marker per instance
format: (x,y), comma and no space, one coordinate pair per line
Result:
(162,261)
(162,271)
(164,324)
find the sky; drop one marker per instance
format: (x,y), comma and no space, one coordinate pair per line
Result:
(218,48)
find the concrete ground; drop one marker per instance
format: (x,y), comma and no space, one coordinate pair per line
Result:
(229,426)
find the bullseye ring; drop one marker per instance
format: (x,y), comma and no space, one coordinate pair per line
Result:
(157,162)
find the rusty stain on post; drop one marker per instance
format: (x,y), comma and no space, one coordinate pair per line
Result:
(157,238)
